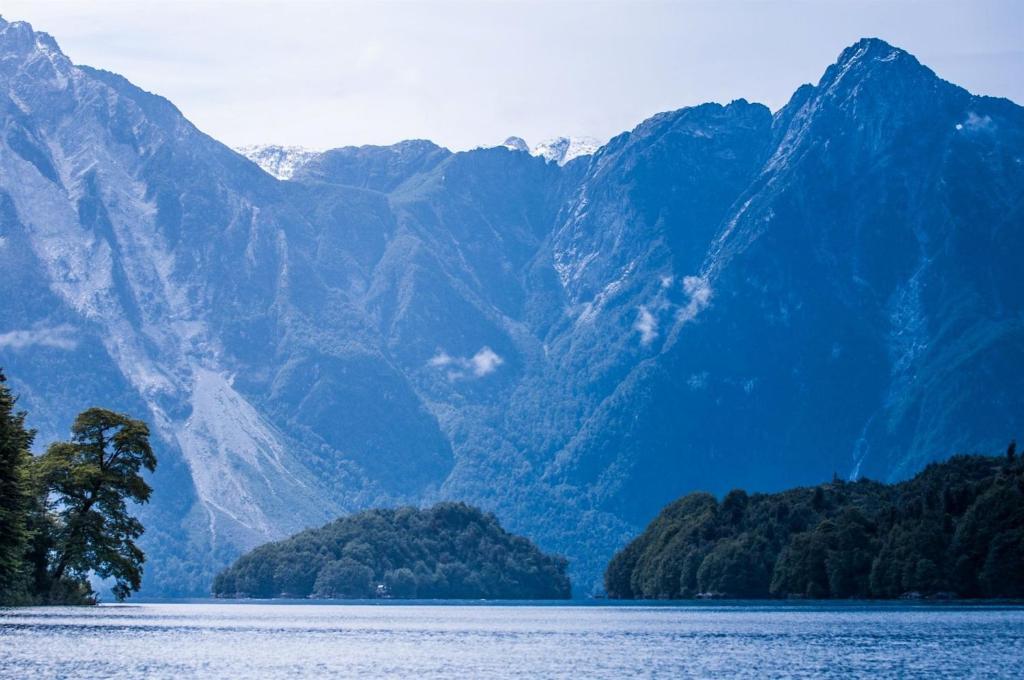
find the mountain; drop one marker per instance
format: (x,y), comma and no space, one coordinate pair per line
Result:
(279,161)
(850,308)
(720,297)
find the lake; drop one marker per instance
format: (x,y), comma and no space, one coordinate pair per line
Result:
(488,640)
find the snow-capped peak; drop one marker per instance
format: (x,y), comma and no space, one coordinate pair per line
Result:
(280,161)
(516,144)
(561,150)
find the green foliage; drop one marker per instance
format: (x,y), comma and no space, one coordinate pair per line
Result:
(15,492)
(736,566)
(682,539)
(957,527)
(401,583)
(344,578)
(64,515)
(448,551)
(89,482)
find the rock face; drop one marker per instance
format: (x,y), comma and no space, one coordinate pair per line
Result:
(721,297)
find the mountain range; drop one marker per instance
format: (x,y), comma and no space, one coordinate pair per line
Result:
(284,161)
(721,297)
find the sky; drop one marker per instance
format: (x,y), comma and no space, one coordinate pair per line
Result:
(466,74)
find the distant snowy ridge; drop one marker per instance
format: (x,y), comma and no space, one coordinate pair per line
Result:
(284,161)
(279,161)
(559,150)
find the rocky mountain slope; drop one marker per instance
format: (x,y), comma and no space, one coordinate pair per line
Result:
(720,297)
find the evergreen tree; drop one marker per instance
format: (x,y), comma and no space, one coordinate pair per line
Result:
(15,495)
(401,582)
(87,482)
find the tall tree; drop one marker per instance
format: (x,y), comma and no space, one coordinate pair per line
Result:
(89,482)
(15,494)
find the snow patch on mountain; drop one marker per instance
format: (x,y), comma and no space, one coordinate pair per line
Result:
(280,161)
(561,150)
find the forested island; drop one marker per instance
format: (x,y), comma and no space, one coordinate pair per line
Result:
(954,530)
(449,551)
(64,514)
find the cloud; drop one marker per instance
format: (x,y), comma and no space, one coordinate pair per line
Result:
(440,360)
(484,362)
(647,325)
(58,337)
(699,290)
(976,123)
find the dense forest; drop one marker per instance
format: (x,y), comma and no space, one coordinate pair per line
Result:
(451,550)
(64,514)
(954,530)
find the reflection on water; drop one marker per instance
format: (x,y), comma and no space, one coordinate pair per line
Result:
(264,640)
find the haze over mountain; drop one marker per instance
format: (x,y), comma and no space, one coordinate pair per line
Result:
(722,297)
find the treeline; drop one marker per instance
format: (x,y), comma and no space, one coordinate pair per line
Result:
(64,514)
(451,550)
(954,530)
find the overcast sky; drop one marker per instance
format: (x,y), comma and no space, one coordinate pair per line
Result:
(465,74)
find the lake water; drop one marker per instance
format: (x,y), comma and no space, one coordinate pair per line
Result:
(272,640)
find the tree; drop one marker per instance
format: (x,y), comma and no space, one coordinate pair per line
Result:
(344,578)
(88,482)
(735,568)
(15,493)
(620,569)
(801,568)
(851,553)
(401,582)
(1001,574)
